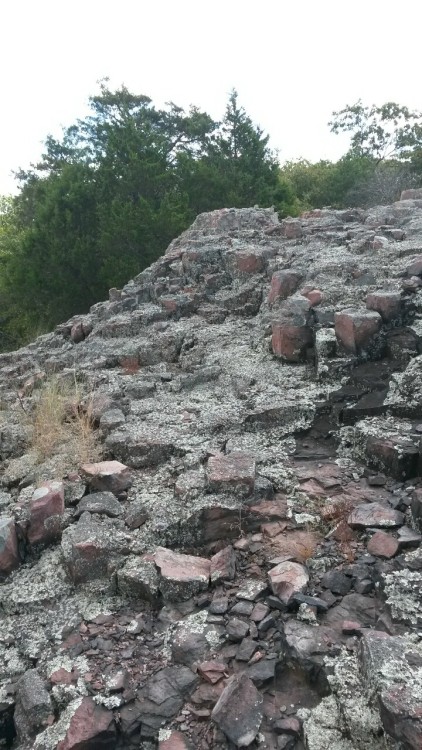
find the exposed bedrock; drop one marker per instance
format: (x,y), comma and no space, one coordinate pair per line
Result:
(228,554)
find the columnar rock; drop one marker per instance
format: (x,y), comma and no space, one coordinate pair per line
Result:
(356,329)
(45,511)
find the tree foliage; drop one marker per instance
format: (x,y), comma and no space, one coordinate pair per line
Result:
(107,198)
(385,132)
(109,195)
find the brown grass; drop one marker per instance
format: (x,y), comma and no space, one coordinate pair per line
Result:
(61,426)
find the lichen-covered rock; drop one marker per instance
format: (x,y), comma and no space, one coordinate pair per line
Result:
(181,576)
(34,708)
(234,472)
(92,550)
(83,725)
(45,513)
(138,578)
(9,555)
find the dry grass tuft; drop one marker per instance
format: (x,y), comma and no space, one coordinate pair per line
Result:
(60,425)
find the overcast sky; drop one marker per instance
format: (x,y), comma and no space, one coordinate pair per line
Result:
(293,62)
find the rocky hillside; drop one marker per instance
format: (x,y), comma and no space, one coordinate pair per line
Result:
(227,551)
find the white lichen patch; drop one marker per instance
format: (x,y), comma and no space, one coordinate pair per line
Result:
(403,591)
(109,701)
(50,738)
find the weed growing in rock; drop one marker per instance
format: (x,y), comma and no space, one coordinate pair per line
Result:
(61,425)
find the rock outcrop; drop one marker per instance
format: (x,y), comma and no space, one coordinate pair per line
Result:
(243,565)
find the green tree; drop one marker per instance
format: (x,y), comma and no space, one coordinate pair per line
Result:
(106,199)
(385,132)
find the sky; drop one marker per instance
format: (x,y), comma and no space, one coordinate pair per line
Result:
(293,63)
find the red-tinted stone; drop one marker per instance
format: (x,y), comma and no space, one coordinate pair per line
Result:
(350,627)
(397,456)
(374,514)
(63,677)
(9,557)
(248,262)
(182,576)
(401,714)
(356,329)
(234,472)
(212,671)
(77,332)
(175,741)
(283,284)
(91,726)
(387,304)
(287,579)
(383,545)
(107,475)
(291,229)
(45,512)
(315,296)
(291,342)
(238,711)
(223,565)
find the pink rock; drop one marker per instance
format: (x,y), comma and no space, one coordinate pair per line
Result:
(45,512)
(383,545)
(63,677)
(283,284)
(175,741)
(291,229)
(355,329)
(234,472)
(212,671)
(248,262)
(107,475)
(374,514)
(223,565)
(290,342)
(387,304)
(315,296)
(9,557)
(350,627)
(91,726)
(288,578)
(182,576)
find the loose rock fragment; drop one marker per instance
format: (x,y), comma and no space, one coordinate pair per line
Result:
(182,576)
(238,712)
(287,579)
(108,475)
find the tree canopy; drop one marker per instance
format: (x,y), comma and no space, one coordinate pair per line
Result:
(107,197)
